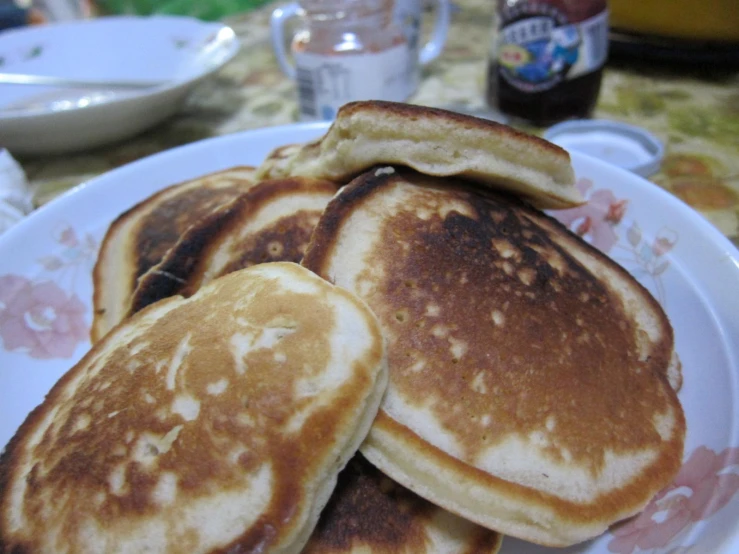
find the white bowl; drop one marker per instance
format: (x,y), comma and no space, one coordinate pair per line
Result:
(180,51)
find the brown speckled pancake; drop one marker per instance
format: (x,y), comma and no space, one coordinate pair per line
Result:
(139,238)
(528,372)
(213,424)
(271,222)
(371,514)
(434,142)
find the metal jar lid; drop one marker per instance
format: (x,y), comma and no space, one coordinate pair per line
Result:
(624,145)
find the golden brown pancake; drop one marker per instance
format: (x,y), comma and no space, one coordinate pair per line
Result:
(528,372)
(213,424)
(369,513)
(139,238)
(433,142)
(271,222)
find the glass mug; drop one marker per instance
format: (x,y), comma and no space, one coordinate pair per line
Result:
(346,50)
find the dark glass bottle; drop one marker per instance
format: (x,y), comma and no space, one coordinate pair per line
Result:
(547,58)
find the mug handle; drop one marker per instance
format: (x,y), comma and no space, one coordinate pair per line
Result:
(277,25)
(435,45)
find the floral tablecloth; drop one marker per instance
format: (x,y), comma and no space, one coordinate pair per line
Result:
(696,113)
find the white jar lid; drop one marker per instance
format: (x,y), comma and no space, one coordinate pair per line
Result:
(624,145)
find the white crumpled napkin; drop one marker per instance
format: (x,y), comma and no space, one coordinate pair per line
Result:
(15,196)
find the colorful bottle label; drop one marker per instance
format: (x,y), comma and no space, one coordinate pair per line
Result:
(538,47)
(327,82)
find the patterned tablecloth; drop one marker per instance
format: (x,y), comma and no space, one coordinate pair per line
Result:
(695,111)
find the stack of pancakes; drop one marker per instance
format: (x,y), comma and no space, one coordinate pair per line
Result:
(448,365)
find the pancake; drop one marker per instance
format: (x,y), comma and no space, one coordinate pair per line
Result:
(370,514)
(276,164)
(434,142)
(529,386)
(217,423)
(271,222)
(139,238)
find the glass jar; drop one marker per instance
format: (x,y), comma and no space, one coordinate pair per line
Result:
(547,58)
(346,50)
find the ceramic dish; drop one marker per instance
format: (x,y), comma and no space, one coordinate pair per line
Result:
(692,270)
(180,51)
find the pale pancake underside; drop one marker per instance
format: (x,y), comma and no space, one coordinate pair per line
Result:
(277,163)
(434,142)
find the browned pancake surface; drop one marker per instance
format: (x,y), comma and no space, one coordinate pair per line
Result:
(140,236)
(497,330)
(524,314)
(369,512)
(219,408)
(168,221)
(232,238)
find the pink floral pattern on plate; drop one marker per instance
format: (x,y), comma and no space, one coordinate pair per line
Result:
(40,318)
(706,483)
(708,480)
(44,317)
(597,218)
(601,218)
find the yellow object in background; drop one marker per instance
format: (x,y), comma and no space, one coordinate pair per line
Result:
(712,20)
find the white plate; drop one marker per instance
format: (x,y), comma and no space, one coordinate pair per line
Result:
(179,50)
(45,314)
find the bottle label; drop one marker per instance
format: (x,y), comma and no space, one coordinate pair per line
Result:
(539,48)
(327,82)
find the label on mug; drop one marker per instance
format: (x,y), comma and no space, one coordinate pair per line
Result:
(328,81)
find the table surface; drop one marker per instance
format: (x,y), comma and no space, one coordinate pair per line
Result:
(693,109)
